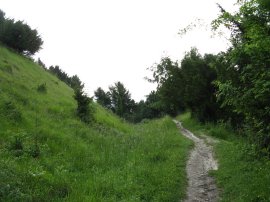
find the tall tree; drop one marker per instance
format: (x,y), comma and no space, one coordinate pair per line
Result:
(167,75)
(247,88)
(121,101)
(198,90)
(84,110)
(189,84)
(75,82)
(103,98)
(19,36)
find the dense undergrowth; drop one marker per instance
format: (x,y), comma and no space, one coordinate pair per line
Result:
(242,175)
(48,154)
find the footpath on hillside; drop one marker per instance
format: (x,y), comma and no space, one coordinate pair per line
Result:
(201,186)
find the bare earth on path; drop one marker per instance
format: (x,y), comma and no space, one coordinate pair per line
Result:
(201,186)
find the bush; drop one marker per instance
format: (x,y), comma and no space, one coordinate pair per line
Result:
(42,88)
(11,112)
(83,105)
(16,146)
(34,151)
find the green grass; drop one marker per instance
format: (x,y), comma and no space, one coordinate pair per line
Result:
(241,176)
(48,154)
(220,131)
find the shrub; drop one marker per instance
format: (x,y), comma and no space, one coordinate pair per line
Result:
(11,112)
(34,151)
(42,88)
(83,105)
(16,146)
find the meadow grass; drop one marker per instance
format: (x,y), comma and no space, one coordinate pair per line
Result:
(48,154)
(242,175)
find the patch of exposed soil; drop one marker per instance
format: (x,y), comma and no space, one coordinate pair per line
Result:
(201,186)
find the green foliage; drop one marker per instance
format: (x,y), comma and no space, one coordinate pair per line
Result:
(34,151)
(103,98)
(16,144)
(167,75)
(40,63)
(121,101)
(243,82)
(10,111)
(117,99)
(189,85)
(19,36)
(198,89)
(75,82)
(149,109)
(218,130)
(84,111)
(72,81)
(241,176)
(42,88)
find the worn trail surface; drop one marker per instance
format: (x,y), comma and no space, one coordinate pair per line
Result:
(201,186)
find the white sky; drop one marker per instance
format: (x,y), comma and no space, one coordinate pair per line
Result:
(104,41)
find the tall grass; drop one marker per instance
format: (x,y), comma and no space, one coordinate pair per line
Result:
(47,154)
(241,176)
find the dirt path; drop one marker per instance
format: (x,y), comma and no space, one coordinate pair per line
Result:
(201,186)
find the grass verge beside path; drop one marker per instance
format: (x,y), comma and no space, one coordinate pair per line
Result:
(241,176)
(161,161)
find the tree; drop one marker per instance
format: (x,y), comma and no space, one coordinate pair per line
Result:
(2,21)
(121,101)
(83,105)
(103,98)
(245,88)
(167,75)
(19,36)
(2,16)
(198,90)
(40,63)
(84,108)
(154,106)
(75,82)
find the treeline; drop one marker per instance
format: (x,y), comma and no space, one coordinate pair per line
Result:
(118,100)
(233,86)
(72,81)
(19,36)
(84,109)
(187,85)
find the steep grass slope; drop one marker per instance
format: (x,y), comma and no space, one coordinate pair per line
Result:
(47,154)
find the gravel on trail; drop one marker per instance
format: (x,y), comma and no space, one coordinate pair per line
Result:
(201,186)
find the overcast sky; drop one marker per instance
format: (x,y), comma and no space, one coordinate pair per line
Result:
(104,41)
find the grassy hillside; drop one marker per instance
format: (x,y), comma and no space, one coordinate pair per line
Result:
(241,176)
(47,154)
